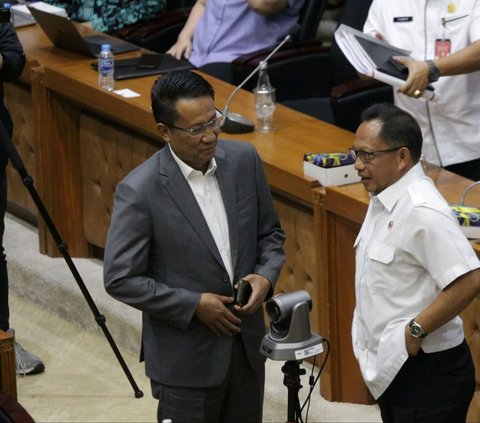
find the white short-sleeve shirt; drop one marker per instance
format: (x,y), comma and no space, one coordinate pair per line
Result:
(450,125)
(410,247)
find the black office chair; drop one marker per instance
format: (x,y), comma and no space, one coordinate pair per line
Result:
(303,47)
(311,13)
(320,81)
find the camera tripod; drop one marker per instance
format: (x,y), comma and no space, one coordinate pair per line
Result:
(63,249)
(291,370)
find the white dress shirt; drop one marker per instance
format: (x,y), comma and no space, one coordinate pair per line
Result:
(410,247)
(207,193)
(450,125)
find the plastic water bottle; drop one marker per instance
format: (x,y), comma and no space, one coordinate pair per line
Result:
(9,7)
(264,100)
(105,68)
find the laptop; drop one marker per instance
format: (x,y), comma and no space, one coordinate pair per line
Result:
(64,34)
(128,68)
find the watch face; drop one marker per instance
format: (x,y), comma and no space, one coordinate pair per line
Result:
(416,330)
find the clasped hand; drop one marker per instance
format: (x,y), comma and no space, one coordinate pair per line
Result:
(213,311)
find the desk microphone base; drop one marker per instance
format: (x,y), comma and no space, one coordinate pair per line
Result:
(237,124)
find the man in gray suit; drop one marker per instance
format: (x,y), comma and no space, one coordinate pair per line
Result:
(187,225)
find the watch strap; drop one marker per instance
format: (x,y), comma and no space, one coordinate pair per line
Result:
(433,72)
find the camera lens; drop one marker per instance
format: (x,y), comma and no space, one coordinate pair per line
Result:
(273,311)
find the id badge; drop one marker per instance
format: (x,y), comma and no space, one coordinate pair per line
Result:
(442,47)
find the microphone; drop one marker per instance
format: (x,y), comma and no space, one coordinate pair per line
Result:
(234,122)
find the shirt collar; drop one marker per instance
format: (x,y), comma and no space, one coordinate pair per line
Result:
(187,170)
(390,195)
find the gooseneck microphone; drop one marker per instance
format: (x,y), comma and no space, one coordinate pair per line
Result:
(235,123)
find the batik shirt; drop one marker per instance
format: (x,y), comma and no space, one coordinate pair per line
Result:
(110,15)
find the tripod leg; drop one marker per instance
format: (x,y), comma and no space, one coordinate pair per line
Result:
(291,380)
(62,248)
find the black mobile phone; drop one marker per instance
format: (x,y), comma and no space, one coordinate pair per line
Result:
(244,290)
(149,61)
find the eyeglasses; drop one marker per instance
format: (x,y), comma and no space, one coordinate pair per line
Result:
(368,156)
(201,129)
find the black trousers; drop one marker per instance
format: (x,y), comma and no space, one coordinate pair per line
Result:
(431,388)
(4,311)
(239,399)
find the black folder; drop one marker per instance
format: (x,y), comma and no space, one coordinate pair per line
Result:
(380,53)
(127,68)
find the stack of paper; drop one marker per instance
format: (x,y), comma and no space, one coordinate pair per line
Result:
(373,57)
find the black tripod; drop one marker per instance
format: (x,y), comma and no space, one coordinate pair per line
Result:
(62,247)
(291,370)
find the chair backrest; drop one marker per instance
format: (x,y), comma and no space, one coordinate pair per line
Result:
(354,14)
(310,15)
(179,4)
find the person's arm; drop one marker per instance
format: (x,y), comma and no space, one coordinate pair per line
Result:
(449,303)
(463,61)
(183,46)
(12,59)
(267,7)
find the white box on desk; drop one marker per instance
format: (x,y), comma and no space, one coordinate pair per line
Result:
(471,232)
(338,175)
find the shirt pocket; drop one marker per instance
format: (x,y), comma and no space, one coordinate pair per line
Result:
(453,26)
(381,273)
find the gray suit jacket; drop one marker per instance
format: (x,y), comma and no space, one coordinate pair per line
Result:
(160,257)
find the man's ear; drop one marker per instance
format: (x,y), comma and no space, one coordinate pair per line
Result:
(164,131)
(405,158)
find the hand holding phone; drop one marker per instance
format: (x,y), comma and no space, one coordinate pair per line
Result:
(244,290)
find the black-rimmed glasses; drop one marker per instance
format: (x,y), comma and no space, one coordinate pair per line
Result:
(368,156)
(201,129)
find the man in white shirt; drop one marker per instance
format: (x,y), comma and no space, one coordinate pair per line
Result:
(444,38)
(415,272)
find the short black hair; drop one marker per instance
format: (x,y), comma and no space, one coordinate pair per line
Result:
(399,128)
(173,86)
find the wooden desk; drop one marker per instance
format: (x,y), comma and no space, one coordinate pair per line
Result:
(78,141)
(8,375)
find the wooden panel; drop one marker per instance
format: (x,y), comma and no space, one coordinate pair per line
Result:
(18,100)
(300,269)
(107,153)
(8,376)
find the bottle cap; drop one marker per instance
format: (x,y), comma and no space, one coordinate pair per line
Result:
(106,47)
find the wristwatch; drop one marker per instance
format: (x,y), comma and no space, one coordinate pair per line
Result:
(433,72)
(416,330)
